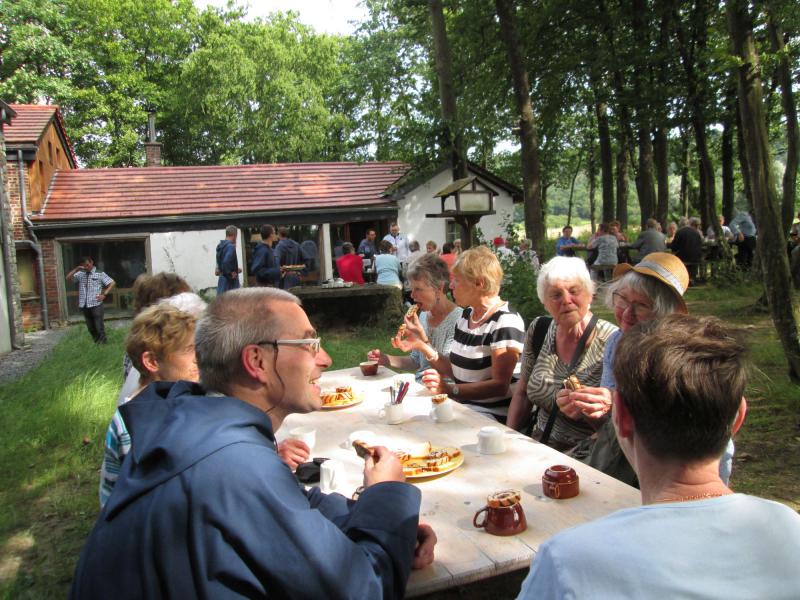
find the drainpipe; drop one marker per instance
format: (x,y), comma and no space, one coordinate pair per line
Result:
(35,245)
(12,326)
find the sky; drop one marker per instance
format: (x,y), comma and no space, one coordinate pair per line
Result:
(325,16)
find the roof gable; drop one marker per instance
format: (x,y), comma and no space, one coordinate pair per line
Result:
(142,193)
(31,122)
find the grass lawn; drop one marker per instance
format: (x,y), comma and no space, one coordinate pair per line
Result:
(52,423)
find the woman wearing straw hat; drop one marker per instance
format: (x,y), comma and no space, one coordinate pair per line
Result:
(652,289)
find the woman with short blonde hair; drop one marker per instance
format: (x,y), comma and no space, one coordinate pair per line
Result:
(487,341)
(480,265)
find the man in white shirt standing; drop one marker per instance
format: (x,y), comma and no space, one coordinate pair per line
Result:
(399,241)
(678,400)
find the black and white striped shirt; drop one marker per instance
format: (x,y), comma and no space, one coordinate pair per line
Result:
(471,352)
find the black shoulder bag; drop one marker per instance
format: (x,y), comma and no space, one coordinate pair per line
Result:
(576,357)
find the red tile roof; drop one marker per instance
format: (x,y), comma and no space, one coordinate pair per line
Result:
(31,122)
(86,194)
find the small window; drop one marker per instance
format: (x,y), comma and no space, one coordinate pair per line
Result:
(50,152)
(452,231)
(25,273)
(42,179)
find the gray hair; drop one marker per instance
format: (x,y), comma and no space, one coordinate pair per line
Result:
(231,230)
(563,268)
(188,302)
(652,224)
(413,245)
(431,269)
(663,299)
(232,321)
(683,222)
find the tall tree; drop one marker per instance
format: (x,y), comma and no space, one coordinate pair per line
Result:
(447,93)
(771,244)
(784,77)
(531,183)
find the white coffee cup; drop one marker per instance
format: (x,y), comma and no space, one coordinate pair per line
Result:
(491,440)
(393,414)
(443,412)
(330,475)
(304,434)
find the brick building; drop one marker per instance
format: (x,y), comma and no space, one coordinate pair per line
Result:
(37,147)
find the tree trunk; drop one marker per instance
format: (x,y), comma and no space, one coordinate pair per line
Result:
(447,94)
(783,74)
(572,189)
(531,183)
(743,166)
(692,50)
(606,160)
(661,157)
(622,182)
(644,176)
(592,166)
(686,160)
(647,199)
(771,241)
(727,169)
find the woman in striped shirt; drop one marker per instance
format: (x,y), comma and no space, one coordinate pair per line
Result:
(487,342)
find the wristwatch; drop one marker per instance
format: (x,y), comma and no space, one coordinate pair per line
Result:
(453,386)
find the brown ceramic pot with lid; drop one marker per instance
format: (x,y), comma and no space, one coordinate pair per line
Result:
(560,482)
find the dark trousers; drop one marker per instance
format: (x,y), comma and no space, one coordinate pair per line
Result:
(747,247)
(94,322)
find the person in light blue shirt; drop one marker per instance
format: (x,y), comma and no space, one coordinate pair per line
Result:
(387,266)
(679,398)
(565,244)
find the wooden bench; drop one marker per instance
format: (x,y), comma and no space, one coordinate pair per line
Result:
(370,304)
(602,272)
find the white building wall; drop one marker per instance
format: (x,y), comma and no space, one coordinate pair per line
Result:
(5,332)
(420,201)
(190,254)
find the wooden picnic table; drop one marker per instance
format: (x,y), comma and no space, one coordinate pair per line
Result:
(464,554)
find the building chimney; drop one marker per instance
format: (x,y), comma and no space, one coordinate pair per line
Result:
(152,148)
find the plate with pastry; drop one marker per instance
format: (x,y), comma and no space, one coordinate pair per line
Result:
(340,397)
(425,460)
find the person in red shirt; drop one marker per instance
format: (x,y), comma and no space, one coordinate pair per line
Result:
(350,265)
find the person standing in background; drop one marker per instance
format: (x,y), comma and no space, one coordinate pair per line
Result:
(227,262)
(93,287)
(288,253)
(399,241)
(264,265)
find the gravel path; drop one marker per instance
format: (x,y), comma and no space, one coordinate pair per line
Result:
(37,346)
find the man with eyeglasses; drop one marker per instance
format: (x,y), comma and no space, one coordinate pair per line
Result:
(204,507)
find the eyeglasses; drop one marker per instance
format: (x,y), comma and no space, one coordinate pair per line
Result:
(640,311)
(312,344)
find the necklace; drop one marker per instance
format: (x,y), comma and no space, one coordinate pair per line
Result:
(485,314)
(695,497)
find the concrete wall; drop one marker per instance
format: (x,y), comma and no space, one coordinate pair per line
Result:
(420,201)
(190,254)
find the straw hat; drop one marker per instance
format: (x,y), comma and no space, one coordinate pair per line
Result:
(667,268)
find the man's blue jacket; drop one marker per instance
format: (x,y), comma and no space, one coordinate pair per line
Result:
(205,508)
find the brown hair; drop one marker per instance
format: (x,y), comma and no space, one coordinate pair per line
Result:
(682,379)
(480,264)
(149,289)
(160,329)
